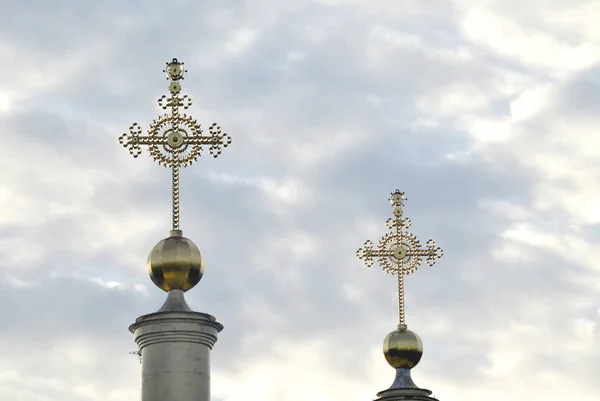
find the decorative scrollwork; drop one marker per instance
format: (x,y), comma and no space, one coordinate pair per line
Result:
(172,140)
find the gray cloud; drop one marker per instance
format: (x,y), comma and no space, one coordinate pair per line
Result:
(332,105)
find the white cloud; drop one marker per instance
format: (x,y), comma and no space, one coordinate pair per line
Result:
(242,40)
(455,99)
(525,44)
(529,102)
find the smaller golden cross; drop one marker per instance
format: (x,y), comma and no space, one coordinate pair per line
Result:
(174,140)
(399,252)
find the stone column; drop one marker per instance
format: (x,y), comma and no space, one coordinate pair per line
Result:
(174,345)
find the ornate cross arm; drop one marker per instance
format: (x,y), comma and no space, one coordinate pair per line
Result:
(399,252)
(175,140)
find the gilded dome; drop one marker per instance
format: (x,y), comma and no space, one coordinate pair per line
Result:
(402,348)
(175,263)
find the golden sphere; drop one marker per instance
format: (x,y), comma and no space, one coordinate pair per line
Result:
(402,348)
(175,263)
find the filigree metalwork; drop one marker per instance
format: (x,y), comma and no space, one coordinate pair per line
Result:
(175,140)
(399,252)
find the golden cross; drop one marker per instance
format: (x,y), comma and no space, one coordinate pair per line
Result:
(174,140)
(399,252)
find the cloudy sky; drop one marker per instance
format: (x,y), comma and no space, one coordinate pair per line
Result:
(483,112)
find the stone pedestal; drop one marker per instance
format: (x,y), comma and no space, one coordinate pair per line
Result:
(174,345)
(405,394)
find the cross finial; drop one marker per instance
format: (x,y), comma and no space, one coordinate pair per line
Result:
(399,251)
(175,140)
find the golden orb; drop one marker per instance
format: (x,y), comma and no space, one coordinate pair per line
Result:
(402,348)
(175,263)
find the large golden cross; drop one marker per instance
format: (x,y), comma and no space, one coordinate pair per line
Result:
(399,252)
(174,140)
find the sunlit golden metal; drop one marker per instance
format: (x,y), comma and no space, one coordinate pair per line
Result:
(175,140)
(402,348)
(399,251)
(175,263)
